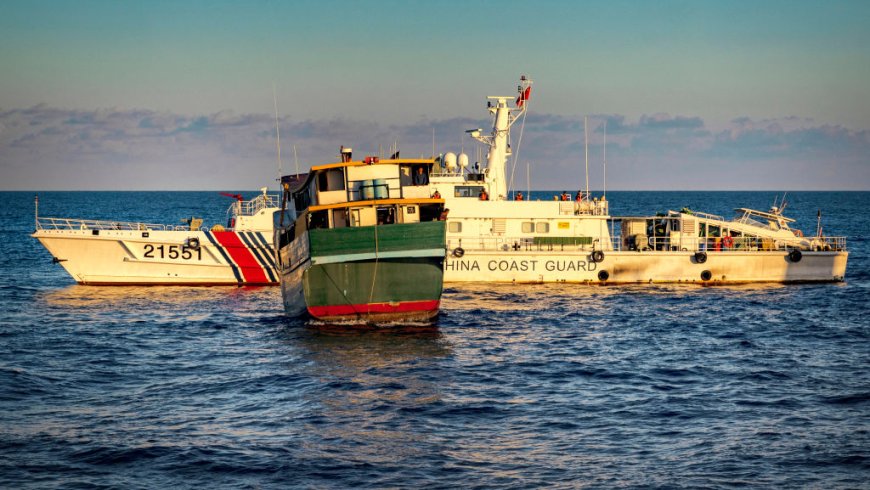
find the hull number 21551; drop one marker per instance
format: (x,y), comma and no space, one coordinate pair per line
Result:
(171,252)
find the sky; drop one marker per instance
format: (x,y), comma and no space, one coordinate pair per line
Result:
(167,95)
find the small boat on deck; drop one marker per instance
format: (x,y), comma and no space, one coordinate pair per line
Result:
(118,253)
(362,242)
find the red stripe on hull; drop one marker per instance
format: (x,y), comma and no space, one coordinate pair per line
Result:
(382,311)
(250,268)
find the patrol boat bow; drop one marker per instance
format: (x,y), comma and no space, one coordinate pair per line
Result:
(117,253)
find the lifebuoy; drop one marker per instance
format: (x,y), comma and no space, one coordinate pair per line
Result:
(795,255)
(458,252)
(597,256)
(798,233)
(700,257)
(728,242)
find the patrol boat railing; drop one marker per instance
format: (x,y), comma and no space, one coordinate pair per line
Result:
(92,224)
(650,244)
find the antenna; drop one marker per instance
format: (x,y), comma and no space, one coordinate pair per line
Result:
(433,142)
(528,182)
(296,159)
(36,213)
(605,160)
(586,145)
(278,132)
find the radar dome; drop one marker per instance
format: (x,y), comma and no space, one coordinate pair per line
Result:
(450,161)
(463,160)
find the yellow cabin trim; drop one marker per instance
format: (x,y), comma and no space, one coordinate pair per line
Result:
(409,161)
(374,202)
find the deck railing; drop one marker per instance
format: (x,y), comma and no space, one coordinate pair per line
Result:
(255,205)
(92,224)
(652,244)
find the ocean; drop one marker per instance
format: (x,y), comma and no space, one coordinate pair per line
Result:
(517,386)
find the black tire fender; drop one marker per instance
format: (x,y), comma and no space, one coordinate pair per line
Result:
(700,257)
(597,256)
(458,252)
(192,242)
(795,255)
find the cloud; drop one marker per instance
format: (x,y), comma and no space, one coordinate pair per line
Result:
(43,147)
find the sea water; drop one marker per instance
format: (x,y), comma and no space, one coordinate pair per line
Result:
(519,386)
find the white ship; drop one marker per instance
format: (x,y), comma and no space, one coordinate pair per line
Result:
(132,253)
(493,239)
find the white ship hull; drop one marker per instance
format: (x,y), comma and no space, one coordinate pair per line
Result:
(127,257)
(622,267)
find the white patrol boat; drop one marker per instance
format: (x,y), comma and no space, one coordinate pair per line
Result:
(491,238)
(126,253)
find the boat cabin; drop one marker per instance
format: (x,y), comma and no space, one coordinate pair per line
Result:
(366,192)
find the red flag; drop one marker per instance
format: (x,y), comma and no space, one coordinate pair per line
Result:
(524,96)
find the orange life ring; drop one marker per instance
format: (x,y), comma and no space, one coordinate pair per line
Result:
(728,242)
(798,233)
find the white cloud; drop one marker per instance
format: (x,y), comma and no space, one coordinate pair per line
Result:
(49,148)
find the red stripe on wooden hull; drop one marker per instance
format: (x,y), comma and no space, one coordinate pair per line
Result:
(252,272)
(407,310)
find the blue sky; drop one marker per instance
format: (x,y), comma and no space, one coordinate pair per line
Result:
(178,95)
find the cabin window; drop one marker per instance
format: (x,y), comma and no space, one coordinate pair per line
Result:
(405,176)
(528,227)
(302,200)
(713,231)
(542,227)
(467,190)
(454,227)
(702,230)
(318,219)
(331,180)
(386,215)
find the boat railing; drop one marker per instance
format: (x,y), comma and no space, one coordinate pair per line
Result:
(91,224)
(733,244)
(526,244)
(255,205)
(651,244)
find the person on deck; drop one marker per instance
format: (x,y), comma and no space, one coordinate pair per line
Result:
(518,196)
(436,194)
(566,196)
(421,178)
(483,196)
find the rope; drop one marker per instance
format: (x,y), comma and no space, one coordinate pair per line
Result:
(375,275)
(519,143)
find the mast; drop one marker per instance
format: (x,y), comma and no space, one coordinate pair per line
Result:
(499,140)
(278,133)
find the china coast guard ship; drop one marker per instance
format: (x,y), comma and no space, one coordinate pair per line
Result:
(491,238)
(118,253)
(362,242)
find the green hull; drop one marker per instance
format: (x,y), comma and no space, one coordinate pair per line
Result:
(385,273)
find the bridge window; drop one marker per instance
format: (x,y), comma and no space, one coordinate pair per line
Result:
(454,227)
(542,227)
